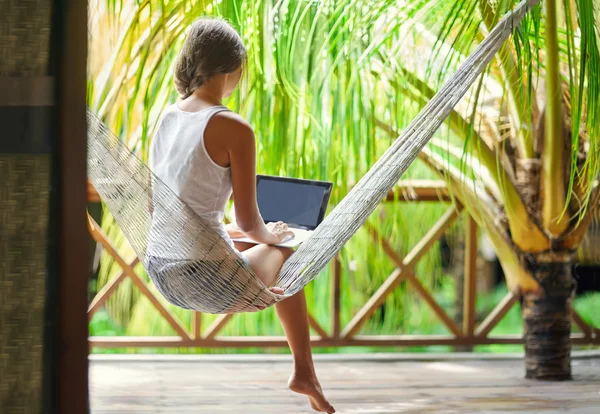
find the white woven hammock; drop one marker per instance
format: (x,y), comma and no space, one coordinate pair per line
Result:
(210,277)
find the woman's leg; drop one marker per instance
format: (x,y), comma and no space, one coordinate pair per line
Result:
(266,261)
(293,315)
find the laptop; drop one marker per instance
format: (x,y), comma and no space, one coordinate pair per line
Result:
(301,204)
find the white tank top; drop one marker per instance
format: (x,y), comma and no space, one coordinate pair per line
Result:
(179,158)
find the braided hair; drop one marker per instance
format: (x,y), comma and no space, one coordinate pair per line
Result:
(212,47)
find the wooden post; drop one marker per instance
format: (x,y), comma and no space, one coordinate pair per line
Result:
(470,279)
(69,44)
(336,270)
(196,325)
(217,325)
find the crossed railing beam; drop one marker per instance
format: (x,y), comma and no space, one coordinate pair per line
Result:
(468,334)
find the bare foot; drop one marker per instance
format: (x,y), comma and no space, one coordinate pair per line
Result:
(309,386)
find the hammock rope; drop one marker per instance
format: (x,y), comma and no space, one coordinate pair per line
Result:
(352,212)
(193,267)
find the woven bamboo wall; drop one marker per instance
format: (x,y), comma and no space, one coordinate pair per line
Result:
(24,194)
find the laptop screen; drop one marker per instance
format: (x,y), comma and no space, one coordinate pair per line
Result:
(299,203)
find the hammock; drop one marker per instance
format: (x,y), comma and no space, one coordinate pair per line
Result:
(209,276)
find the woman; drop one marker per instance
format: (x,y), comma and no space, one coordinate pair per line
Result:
(203,152)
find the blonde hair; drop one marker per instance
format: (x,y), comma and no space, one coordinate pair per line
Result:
(212,47)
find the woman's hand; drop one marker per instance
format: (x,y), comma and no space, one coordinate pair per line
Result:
(280,231)
(234,231)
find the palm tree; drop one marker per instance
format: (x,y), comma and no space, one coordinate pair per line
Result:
(523,155)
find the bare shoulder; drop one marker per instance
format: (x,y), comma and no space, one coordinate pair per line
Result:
(229,125)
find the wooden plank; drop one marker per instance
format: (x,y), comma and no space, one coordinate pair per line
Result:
(405,268)
(196,325)
(92,193)
(405,191)
(217,325)
(281,342)
(438,185)
(419,190)
(420,250)
(386,246)
(336,277)
(138,341)
(378,298)
(372,384)
(432,235)
(496,315)
(315,325)
(450,324)
(470,279)
(585,328)
(423,246)
(107,290)
(171,319)
(98,235)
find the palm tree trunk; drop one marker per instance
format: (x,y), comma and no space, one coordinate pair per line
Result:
(547,319)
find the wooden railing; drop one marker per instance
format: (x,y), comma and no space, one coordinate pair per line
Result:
(470,333)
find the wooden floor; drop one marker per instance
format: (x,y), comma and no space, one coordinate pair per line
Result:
(354,386)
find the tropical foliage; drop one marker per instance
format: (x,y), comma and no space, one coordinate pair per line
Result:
(313,90)
(329,83)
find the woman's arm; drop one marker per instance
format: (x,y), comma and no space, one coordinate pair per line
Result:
(241,147)
(233,230)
